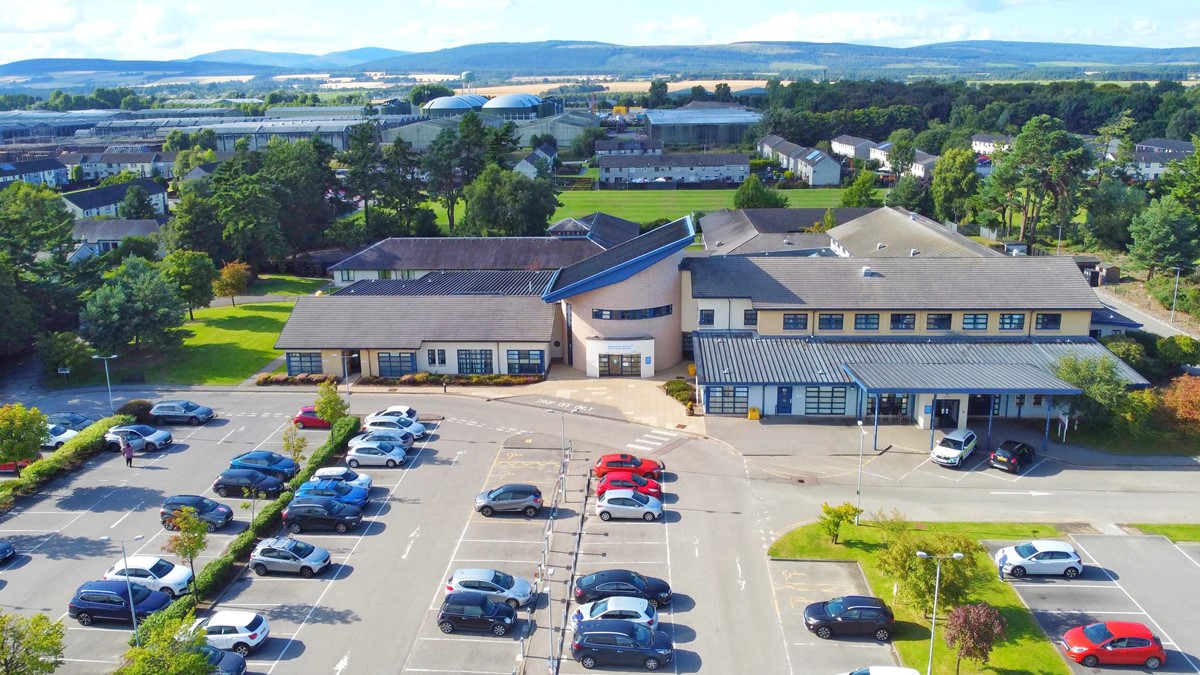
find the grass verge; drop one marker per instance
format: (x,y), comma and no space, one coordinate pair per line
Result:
(1175,533)
(283,284)
(1025,649)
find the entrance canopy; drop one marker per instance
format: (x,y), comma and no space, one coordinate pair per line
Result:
(939,378)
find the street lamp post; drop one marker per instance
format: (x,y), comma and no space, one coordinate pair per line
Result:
(107,381)
(937,582)
(862,437)
(346,369)
(1175,296)
(137,640)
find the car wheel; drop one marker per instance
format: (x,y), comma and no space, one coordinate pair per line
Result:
(306,572)
(605,516)
(58,445)
(1017,572)
(353,463)
(1071,572)
(84,619)
(824,633)
(169,591)
(882,634)
(588,662)
(651,663)
(512,603)
(150,447)
(168,526)
(195,421)
(499,629)
(158,421)
(241,649)
(530,511)
(648,516)
(212,527)
(299,425)
(391,464)
(1153,662)
(487,511)
(114,447)
(341,528)
(1090,661)
(446,627)
(260,569)
(294,528)
(222,492)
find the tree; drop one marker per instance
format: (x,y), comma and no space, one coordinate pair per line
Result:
(1112,205)
(752,194)
(1103,389)
(121,178)
(22,432)
(21,321)
(1181,400)
(232,281)
(1048,164)
(658,94)
(136,204)
(862,192)
(362,158)
(190,538)
(584,145)
(249,211)
(505,203)
(177,140)
(500,142)
(402,192)
(294,443)
(30,645)
(1164,236)
(169,647)
(915,577)
(426,92)
(722,92)
(330,406)
(902,153)
(63,350)
(193,272)
(1119,131)
(908,193)
(825,224)
(194,224)
(134,303)
(33,220)
(445,178)
(954,183)
(974,629)
(472,147)
(833,517)
(302,177)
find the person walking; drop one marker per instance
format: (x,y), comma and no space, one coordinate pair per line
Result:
(1000,563)
(127,452)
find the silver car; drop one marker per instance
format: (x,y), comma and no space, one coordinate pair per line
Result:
(624,608)
(628,504)
(394,422)
(284,554)
(141,437)
(376,454)
(498,586)
(395,436)
(1045,556)
(348,476)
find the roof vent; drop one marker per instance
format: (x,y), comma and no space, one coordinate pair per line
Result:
(866,271)
(787,242)
(880,246)
(912,216)
(912,253)
(719,242)
(725,372)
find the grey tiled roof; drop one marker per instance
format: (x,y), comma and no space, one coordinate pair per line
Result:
(1014,283)
(626,252)
(107,229)
(336,322)
(671,160)
(628,144)
(900,232)
(475,282)
(737,230)
(110,194)
(1167,144)
(605,230)
(987,363)
(470,253)
(30,166)
(852,140)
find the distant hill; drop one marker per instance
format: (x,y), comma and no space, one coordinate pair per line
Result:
(353,57)
(36,67)
(255,57)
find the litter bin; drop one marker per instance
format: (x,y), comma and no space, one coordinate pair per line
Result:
(752,414)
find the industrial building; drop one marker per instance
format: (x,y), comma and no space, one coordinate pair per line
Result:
(704,127)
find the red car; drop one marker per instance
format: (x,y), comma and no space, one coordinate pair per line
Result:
(12,466)
(1114,642)
(624,480)
(307,419)
(646,468)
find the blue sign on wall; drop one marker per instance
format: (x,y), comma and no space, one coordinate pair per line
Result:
(929,410)
(647,360)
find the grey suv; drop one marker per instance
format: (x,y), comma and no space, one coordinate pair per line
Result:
(181,412)
(142,437)
(284,554)
(511,497)
(214,514)
(620,643)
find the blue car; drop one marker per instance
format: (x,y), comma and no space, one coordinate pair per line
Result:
(110,601)
(334,489)
(265,461)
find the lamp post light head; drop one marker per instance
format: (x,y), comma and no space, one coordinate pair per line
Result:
(922,554)
(957,556)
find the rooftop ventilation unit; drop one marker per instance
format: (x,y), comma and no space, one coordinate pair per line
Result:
(880,246)
(913,253)
(866,271)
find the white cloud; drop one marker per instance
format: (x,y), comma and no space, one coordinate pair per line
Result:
(39,17)
(869,27)
(470,5)
(1144,27)
(677,30)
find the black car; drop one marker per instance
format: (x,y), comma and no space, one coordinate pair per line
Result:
(620,643)
(1012,456)
(110,600)
(215,515)
(625,583)
(474,611)
(265,461)
(221,662)
(850,615)
(70,420)
(320,513)
(247,482)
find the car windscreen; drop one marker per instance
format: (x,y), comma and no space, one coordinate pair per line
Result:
(142,429)
(139,593)
(835,607)
(1026,551)
(57,430)
(207,505)
(272,459)
(188,406)
(162,568)
(640,498)
(1098,633)
(336,508)
(345,475)
(489,607)
(642,482)
(642,635)
(600,607)
(638,580)
(505,581)
(952,443)
(339,488)
(302,549)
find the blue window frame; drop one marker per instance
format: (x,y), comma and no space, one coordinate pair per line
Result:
(525,361)
(824,400)
(436,357)
(633,314)
(830,321)
(866,322)
(475,361)
(397,364)
(727,400)
(1012,322)
(937,322)
(750,317)
(1049,322)
(795,322)
(975,321)
(904,322)
(303,362)
(708,317)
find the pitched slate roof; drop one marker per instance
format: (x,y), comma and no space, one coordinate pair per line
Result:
(901,232)
(605,230)
(110,194)
(475,282)
(991,138)
(642,144)
(671,160)
(807,156)
(108,229)
(336,322)
(30,166)
(622,261)
(750,230)
(853,140)
(1167,144)
(916,284)
(470,253)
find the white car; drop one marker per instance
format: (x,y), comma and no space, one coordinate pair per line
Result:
(236,631)
(410,413)
(376,454)
(637,610)
(56,435)
(498,586)
(385,419)
(1045,556)
(390,435)
(954,448)
(628,504)
(347,476)
(883,670)
(153,573)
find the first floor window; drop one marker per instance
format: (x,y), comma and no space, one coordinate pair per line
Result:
(795,322)
(727,400)
(825,401)
(303,362)
(347,275)
(1049,321)
(937,322)
(975,321)
(475,361)
(866,322)
(829,321)
(395,364)
(707,317)
(750,317)
(904,322)
(436,357)
(525,361)
(1012,322)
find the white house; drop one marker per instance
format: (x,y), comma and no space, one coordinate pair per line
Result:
(809,164)
(682,168)
(103,201)
(851,147)
(987,144)
(546,154)
(49,172)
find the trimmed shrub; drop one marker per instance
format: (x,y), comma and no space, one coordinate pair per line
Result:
(172,612)
(139,408)
(269,517)
(215,575)
(680,390)
(87,444)
(243,544)
(265,379)
(420,379)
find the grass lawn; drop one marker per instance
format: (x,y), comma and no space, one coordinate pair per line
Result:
(1025,649)
(1173,532)
(282,284)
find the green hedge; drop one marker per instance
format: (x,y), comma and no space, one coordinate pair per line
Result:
(680,390)
(339,437)
(419,379)
(87,444)
(172,612)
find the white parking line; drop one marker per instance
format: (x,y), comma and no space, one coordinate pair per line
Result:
(465,639)
(635,446)
(1190,558)
(505,541)
(139,505)
(1040,586)
(464,672)
(485,560)
(831,643)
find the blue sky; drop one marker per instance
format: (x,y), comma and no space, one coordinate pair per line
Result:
(167,29)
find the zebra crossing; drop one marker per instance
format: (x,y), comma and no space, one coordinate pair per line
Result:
(652,440)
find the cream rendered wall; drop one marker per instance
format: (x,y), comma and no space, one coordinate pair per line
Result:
(689,314)
(499,354)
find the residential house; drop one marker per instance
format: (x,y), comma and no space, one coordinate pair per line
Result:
(629,146)
(681,168)
(48,172)
(808,164)
(97,236)
(988,144)
(922,166)
(1165,145)
(851,147)
(546,155)
(1149,166)
(103,201)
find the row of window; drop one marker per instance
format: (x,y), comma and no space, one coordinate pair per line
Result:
(632,314)
(470,362)
(898,321)
(736,400)
(348,275)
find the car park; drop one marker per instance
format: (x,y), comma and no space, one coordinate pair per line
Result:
(222,662)
(646,468)
(153,573)
(379,453)
(247,483)
(336,490)
(288,556)
(347,476)
(610,583)
(320,513)
(637,610)
(237,631)
(474,612)
(57,435)
(954,448)
(1114,643)
(385,419)
(393,436)
(621,643)
(70,420)
(850,615)
(111,601)
(307,418)
(265,461)
(1040,557)
(511,497)
(624,480)
(496,585)
(181,412)
(1012,456)
(214,514)
(141,437)
(628,504)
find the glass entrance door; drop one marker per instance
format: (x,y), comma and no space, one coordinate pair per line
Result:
(620,365)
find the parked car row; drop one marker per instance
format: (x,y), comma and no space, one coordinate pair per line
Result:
(628,487)
(957,446)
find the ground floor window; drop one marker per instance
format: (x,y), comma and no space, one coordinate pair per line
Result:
(475,361)
(397,364)
(303,362)
(727,400)
(825,401)
(620,365)
(889,404)
(525,361)
(437,357)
